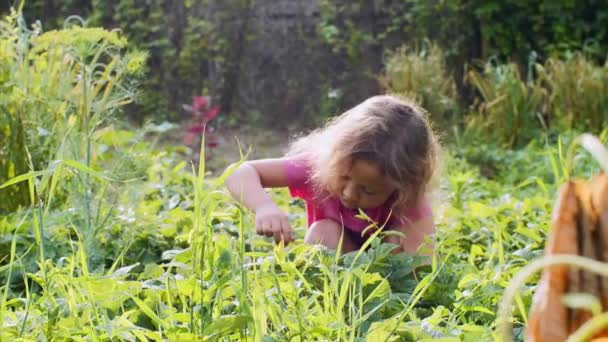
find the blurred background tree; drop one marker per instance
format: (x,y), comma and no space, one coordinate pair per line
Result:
(288,63)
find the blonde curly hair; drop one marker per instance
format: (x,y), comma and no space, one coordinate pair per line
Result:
(388,130)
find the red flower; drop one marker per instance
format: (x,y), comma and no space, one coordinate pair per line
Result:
(199,102)
(202,113)
(212,141)
(196,129)
(188,139)
(211,113)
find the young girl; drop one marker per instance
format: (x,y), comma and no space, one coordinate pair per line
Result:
(377,157)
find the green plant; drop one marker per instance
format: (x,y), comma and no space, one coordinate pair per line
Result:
(422,75)
(58,87)
(577,89)
(61,87)
(509,109)
(181,261)
(169,256)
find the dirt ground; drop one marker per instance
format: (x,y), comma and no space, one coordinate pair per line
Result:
(255,144)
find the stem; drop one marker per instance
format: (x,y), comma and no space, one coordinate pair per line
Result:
(505,308)
(87,178)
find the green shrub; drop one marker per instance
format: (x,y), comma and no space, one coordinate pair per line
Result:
(568,93)
(578,92)
(509,107)
(422,74)
(56,88)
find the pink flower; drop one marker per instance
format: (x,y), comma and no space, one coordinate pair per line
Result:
(199,102)
(211,113)
(188,139)
(196,129)
(212,142)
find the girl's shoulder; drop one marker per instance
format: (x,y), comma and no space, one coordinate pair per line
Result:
(298,172)
(297,167)
(301,165)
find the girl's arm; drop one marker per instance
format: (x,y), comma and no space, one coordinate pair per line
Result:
(246,184)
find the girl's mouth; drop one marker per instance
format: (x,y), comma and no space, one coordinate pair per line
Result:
(347,204)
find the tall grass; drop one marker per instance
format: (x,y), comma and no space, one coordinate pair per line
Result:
(509,109)
(61,86)
(577,92)
(216,281)
(58,87)
(14,39)
(560,94)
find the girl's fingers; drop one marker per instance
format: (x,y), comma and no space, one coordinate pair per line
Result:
(258,227)
(267,228)
(287,231)
(276,230)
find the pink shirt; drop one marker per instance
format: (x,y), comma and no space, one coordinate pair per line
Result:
(300,185)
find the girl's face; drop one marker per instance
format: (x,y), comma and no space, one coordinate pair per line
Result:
(363,185)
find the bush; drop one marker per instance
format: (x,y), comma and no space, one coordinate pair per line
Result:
(561,94)
(578,92)
(422,74)
(509,108)
(56,88)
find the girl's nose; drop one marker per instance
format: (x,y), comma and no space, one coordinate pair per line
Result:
(349,193)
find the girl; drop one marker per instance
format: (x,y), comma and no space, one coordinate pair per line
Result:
(377,157)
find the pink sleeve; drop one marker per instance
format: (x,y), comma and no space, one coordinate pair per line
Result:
(412,214)
(298,178)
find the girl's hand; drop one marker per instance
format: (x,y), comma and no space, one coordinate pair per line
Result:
(272,222)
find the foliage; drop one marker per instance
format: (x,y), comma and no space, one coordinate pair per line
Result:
(509,108)
(180,41)
(560,94)
(180,263)
(509,29)
(577,91)
(422,75)
(123,240)
(178,45)
(352,26)
(57,87)
(222,48)
(356,34)
(516,27)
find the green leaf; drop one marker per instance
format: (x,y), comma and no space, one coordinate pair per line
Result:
(150,313)
(26,176)
(81,167)
(481,210)
(367,278)
(111,293)
(478,309)
(467,280)
(225,324)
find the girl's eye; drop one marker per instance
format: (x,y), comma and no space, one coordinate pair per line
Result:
(368,192)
